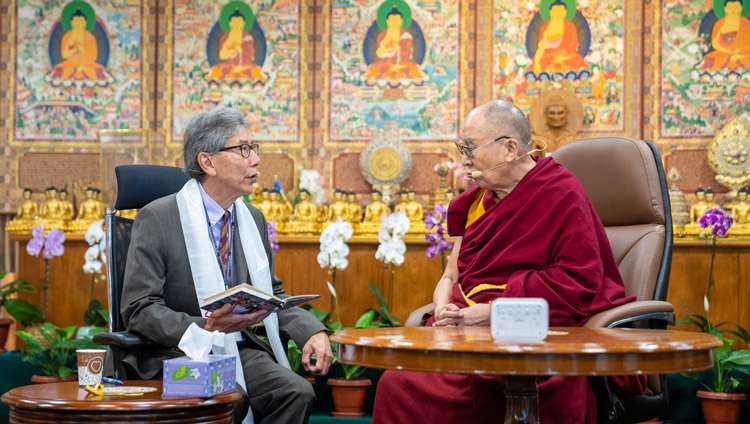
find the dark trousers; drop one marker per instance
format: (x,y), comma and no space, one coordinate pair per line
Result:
(276,394)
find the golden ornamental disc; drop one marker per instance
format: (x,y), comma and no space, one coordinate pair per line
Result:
(385,160)
(385,164)
(729,154)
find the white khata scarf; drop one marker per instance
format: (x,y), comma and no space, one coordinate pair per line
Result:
(207,274)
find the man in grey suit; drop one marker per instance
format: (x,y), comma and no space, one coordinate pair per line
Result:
(174,261)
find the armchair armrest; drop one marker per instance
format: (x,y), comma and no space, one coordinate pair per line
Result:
(633,311)
(121,339)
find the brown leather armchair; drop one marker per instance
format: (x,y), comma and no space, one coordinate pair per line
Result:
(625,181)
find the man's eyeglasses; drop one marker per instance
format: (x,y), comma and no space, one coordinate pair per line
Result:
(469,151)
(245,149)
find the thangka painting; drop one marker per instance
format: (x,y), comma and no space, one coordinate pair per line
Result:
(394,62)
(78,69)
(575,45)
(705,66)
(243,54)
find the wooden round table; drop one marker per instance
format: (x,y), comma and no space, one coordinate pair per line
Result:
(565,351)
(66,402)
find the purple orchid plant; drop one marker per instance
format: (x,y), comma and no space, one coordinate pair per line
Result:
(719,223)
(272,236)
(48,245)
(436,233)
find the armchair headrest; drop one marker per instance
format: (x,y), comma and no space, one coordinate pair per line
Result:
(139,185)
(621,177)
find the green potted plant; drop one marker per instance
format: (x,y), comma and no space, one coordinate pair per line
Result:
(722,398)
(348,392)
(21,310)
(53,348)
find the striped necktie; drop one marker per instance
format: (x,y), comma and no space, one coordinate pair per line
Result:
(224,249)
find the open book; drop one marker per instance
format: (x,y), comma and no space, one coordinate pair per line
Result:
(247,298)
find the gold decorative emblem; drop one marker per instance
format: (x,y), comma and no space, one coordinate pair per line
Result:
(729,154)
(386,162)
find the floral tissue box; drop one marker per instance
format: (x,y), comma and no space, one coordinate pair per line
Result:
(204,377)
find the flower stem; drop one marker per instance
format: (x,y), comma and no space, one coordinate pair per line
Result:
(390,292)
(711,270)
(45,288)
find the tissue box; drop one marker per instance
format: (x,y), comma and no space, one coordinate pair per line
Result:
(203,377)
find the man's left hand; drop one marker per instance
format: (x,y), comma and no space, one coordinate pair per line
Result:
(320,347)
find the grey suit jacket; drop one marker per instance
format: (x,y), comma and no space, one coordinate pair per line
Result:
(159,299)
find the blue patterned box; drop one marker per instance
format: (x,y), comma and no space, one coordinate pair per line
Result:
(204,377)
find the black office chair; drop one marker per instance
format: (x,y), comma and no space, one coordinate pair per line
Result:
(137,186)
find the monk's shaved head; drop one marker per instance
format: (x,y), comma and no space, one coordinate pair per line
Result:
(497,114)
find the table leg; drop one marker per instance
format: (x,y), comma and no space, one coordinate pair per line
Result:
(521,400)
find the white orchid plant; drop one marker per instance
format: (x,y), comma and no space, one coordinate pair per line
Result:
(333,253)
(309,179)
(95,258)
(392,248)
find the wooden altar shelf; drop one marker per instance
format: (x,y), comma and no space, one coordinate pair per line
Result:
(414,281)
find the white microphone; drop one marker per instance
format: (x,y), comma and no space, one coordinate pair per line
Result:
(478,174)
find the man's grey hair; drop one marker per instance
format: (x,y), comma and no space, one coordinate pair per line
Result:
(500,113)
(208,132)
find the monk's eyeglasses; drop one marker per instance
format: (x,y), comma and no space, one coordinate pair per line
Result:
(245,149)
(468,151)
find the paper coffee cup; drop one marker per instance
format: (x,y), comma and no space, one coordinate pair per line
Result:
(90,366)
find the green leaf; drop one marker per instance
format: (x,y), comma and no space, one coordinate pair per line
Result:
(365,321)
(24,312)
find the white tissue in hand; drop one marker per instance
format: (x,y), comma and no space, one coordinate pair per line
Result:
(197,342)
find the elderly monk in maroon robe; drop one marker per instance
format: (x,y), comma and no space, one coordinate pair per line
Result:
(524,229)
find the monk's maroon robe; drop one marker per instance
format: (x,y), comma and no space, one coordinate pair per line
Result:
(544,239)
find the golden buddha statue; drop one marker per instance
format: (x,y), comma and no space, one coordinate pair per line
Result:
(265,205)
(26,216)
(304,217)
(51,211)
(374,213)
(339,208)
(355,209)
(90,210)
(402,201)
(279,210)
(741,214)
(704,200)
(415,212)
(68,208)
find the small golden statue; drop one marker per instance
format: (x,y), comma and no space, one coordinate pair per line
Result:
(51,211)
(264,205)
(67,206)
(704,200)
(439,196)
(402,201)
(26,216)
(680,213)
(339,208)
(741,214)
(374,213)
(415,212)
(355,209)
(90,210)
(304,218)
(280,210)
